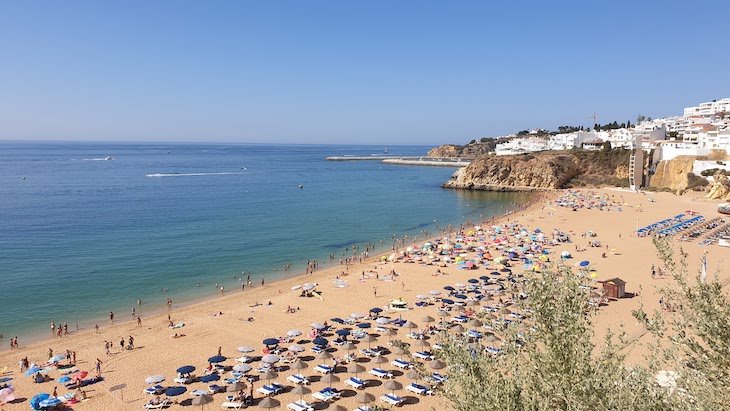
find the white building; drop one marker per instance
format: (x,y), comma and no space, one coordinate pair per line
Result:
(521,146)
(713,108)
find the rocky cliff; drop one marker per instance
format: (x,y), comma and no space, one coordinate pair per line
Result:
(672,174)
(720,189)
(545,170)
(471,150)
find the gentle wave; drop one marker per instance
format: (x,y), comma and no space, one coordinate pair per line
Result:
(189,174)
(97,159)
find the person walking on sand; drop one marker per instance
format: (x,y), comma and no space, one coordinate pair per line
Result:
(375,292)
(139,322)
(98,368)
(111,317)
(131,342)
(219,350)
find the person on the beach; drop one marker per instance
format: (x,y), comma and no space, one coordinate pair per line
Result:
(96,328)
(134,312)
(55,392)
(73,357)
(121,343)
(50,353)
(220,350)
(111,317)
(131,342)
(375,292)
(139,322)
(262,282)
(98,368)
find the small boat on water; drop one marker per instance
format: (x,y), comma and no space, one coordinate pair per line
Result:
(109,158)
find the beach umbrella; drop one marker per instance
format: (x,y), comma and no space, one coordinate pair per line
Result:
(458,328)
(376,310)
(35,402)
(296,348)
(236,386)
(153,379)
(460,296)
(436,364)
(475,322)
(270,358)
(209,378)
(369,339)
(65,379)
(449,288)
(472,303)
(364,397)
(398,350)
(410,325)
(301,391)
(363,325)
(444,314)
(355,368)
(175,391)
(50,402)
(57,358)
(33,370)
(318,326)
(349,346)
(330,379)
(421,297)
(296,287)
(343,332)
(271,341)
(412,375)
(7,395)
(293,333)
(490,337)
(390,332)
(473,281)
(380,359)
(202,400)
(357,315)
(320,341)
(299,365)
(505,311)
(216,359)
(186,369)
(382,320)
(245,349)
(269,374)
(242,368)
(80,375)
(324,355)
(584,263)
(422,343)
(434,292)
(447,301)
(309,286)
(428,319)
(268,403)
(392,385)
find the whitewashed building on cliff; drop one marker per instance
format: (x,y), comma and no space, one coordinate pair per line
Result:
(521,145)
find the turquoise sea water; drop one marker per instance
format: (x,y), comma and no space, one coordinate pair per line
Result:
(80,236)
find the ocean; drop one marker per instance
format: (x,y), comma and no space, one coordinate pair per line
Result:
(81,235)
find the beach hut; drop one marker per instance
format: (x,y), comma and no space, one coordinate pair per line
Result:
(614,288)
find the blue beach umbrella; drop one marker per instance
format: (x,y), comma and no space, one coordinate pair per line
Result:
(484,278)
(506,270)
(50,402)
(473,281)
(447,301)
(376,310)
(271,341)
(33,371)
(186,369)
(343,332)
(584,263)
(320,341)
(460,296)
(216,359)
(35,402)
(175,391)
(363,325)
(64,379)
(209,378)
(494,273)
(337,320)
(449,288)
(57,358)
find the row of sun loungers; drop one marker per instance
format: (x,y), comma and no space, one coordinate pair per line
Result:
(681,226)
(659,225)
(716,235)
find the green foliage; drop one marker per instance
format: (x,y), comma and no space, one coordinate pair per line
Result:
(696,334)
(549,361)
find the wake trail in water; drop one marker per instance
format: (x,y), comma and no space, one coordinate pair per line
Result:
(189,174)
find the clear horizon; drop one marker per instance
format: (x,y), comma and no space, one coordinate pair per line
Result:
(381,73)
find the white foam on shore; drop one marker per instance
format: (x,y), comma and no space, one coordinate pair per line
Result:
(189,174)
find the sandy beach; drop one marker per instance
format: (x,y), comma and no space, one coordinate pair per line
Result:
(157,353)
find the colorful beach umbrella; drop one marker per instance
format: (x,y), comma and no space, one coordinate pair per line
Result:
(50,402)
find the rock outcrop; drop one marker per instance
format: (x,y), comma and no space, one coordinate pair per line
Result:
(446,150)
(545,170)
(471,150)
(720,189)
(672,174)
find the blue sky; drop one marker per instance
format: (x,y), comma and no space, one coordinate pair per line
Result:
(381,72)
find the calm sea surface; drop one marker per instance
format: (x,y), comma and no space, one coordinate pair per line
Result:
(80,235)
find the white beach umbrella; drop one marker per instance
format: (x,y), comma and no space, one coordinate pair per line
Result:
(154,379)
(293,333)
(245,349)
(242,368)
